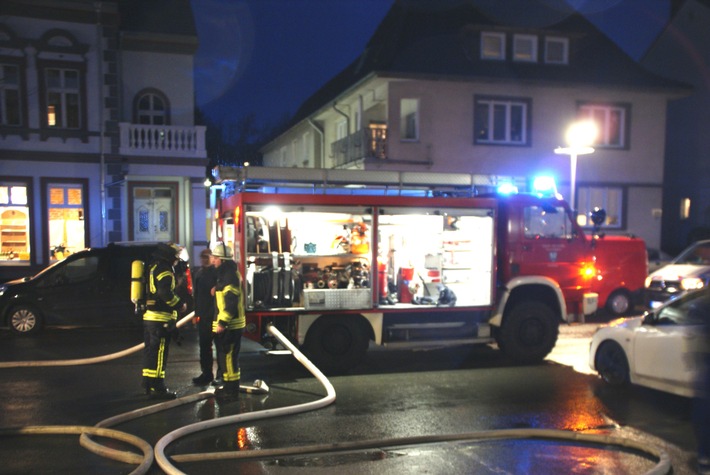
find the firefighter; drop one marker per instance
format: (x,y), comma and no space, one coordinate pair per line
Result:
(205,279)
(159,319)
(229,321)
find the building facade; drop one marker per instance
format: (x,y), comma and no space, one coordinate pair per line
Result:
(464,87)
(682,52)
(98,142)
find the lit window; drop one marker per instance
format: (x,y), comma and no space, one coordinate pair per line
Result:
(609,198)
(611,121)
(14,223)
(525,48)
(409,119)
(492,45)
(63,103)
(501,121)
(66,219)
(556,50)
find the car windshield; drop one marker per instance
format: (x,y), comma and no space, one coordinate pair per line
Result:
(698,254)
(691,309)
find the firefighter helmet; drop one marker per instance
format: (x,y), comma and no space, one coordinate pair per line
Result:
(166,251)
(222,251)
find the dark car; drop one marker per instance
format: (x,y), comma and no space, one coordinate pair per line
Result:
(88,288)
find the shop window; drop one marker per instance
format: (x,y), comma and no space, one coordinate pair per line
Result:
(14,222)
(502,121)
(610,198)
(66,226)
(409,119)
(612,122)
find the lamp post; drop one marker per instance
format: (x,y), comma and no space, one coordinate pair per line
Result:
(579,137)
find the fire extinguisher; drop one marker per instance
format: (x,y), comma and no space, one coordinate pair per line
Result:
(138,286)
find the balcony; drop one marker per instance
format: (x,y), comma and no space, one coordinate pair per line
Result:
(162,140)
(370,142)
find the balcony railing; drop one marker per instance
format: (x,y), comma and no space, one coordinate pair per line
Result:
(365,143)
(162,140)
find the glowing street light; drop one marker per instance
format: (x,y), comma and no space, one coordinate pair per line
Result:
(579,137)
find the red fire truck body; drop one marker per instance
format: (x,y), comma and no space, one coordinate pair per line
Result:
(335,267)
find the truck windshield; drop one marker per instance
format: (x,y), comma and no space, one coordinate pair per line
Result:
(546,222)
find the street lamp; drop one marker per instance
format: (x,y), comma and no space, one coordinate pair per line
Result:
(579,137)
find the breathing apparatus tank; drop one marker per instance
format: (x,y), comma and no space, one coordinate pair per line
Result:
(138,286)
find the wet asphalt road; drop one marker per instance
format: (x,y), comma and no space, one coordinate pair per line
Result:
(392,396)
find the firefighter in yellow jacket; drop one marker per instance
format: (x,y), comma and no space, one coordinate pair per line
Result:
(159,319)
(229,321)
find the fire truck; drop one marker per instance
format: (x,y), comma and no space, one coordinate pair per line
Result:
(337,259)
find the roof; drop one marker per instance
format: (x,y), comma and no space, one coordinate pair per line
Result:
(420,38)
(172,17)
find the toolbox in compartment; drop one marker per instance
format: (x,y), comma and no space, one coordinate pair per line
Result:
(336,298)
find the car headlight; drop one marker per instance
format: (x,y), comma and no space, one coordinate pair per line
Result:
(3,288)
(690,283)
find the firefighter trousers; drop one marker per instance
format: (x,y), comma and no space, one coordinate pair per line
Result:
(228,345)
(156,336)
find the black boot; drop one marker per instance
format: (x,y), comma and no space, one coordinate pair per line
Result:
(158,390)
(228,392)
(146,384)
(202,380)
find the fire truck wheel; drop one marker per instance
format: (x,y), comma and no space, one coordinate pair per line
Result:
(611,364)
(619,303)
(336,343)
(529,332)
(24,320)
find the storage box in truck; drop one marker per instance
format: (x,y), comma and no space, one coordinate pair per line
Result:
(622,267)
(352,257)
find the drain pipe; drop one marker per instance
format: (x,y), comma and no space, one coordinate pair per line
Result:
(321,158)
(102,132)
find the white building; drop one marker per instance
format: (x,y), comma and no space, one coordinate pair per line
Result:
(458,87)
(97,135)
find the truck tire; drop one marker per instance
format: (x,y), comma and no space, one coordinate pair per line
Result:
(24,320)
(336,344)
(619,303)
(529,332)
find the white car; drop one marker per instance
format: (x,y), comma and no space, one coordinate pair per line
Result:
(658,350)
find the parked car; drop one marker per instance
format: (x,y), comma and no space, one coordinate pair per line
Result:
(654,350)
(90,287)
(689,270)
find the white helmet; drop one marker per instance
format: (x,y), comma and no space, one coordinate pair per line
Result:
(222,251)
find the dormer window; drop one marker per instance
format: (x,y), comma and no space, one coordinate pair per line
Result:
(556,50)
(492,45)
(525,48)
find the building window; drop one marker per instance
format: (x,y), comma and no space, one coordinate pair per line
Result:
(611,121)
(66,226)
(525,48)
(152,109)
(10,110)
(556,50)
(610,198)
(501,121)
(409,119)
(492,45)
(14,222)
(63,91)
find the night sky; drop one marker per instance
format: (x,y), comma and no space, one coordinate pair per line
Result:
(267,56)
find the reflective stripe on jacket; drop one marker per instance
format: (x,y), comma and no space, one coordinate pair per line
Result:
(161,301)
